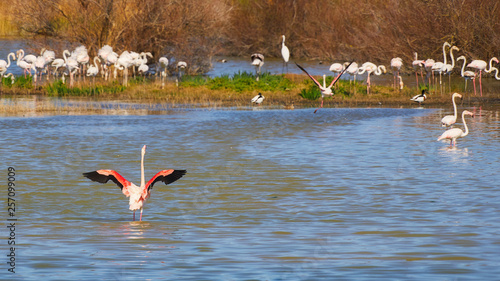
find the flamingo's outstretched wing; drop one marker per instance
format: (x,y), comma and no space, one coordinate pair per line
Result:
(166,176)
(338,76)
(315,81)
(103,176)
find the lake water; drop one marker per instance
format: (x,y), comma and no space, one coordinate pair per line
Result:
(344,194)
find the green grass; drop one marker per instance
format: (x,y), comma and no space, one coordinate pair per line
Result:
(58,89)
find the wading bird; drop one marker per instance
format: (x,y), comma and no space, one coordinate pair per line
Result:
(258,99)
(258,62)
(467,74)
(455,133)
(285,53)
(420,98)
(138,194)
(325,91)
(396,64)
(449,120)
(481,66)
(418,64)
(4,65)
(370,68)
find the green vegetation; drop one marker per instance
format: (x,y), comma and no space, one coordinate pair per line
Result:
(58,89)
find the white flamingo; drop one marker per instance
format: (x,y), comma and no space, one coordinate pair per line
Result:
(396,64)
(467,74)
(418,64)
(4,65)
(449,120)
(370,68)
(57,63)
(71,65)
(93,70)
(24,65)
(138,194)
(285,53)
(164,66)
(455,133)
(480,65)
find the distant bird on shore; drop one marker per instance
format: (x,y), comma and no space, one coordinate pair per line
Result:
(258,62)
(455,133)
(418,64)
(138,194)
(336,68)
(480,65)
(420,98)
(370,68)
(449,120)
(396,64)
(285,53)
(258,99)
(325,91)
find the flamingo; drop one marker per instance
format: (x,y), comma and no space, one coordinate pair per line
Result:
(4,65)
(467,74)
(428,63)
(93,70)
(396,64)
(125,61)
(325,91)
(180,67)
(455,133)
(258,62)
(285,53)
(258,99)
(448,68)
(418,64)
(12,78)
(481,66)
(370,68)
(28,58)
(138,194)
(49,57)
(336,68)
(22,63)
(494,69)
(71,65)
(420,98)
(449,120)
(57,63)
(39,67)
(164,65)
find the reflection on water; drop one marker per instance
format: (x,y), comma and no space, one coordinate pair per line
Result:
(269,195)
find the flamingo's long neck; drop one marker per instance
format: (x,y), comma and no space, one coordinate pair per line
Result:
(463,67)
(465,125)
(21,55)
(490,69)
(143,181)
(64,55)
(95,62)
(8,58)
(444,53)
(452,58)
(324,81)
(454,108)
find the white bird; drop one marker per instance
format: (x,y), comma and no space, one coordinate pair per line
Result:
(138,194)
(24,65)
(71,65)
(180,67)
(12,78)
(448,68)
(123,63)
(336,68)
(258,99)
(164,66)
(481,66)
(420,98)
(325,91)
(418,64)
(93,70)
(285,53)
(4,65)
(57,63)
(449,120)
(396,64)
(467,74)
(370,68)
(258,62)
(455,133)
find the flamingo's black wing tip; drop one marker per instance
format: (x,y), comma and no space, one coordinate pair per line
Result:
(175,175)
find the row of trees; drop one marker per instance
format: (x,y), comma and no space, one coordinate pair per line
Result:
(195,30)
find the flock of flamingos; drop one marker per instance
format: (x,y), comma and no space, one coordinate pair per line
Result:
(107,60)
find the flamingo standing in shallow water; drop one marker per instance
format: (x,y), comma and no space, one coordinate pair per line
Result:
(138,194)
(449,120)
(325,91)
(467,74)
(4,65)
(481,66)
(370,68)
(455,133)
(418,64)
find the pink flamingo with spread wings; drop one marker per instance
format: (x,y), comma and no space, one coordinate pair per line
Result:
(325,91)
(138,194)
